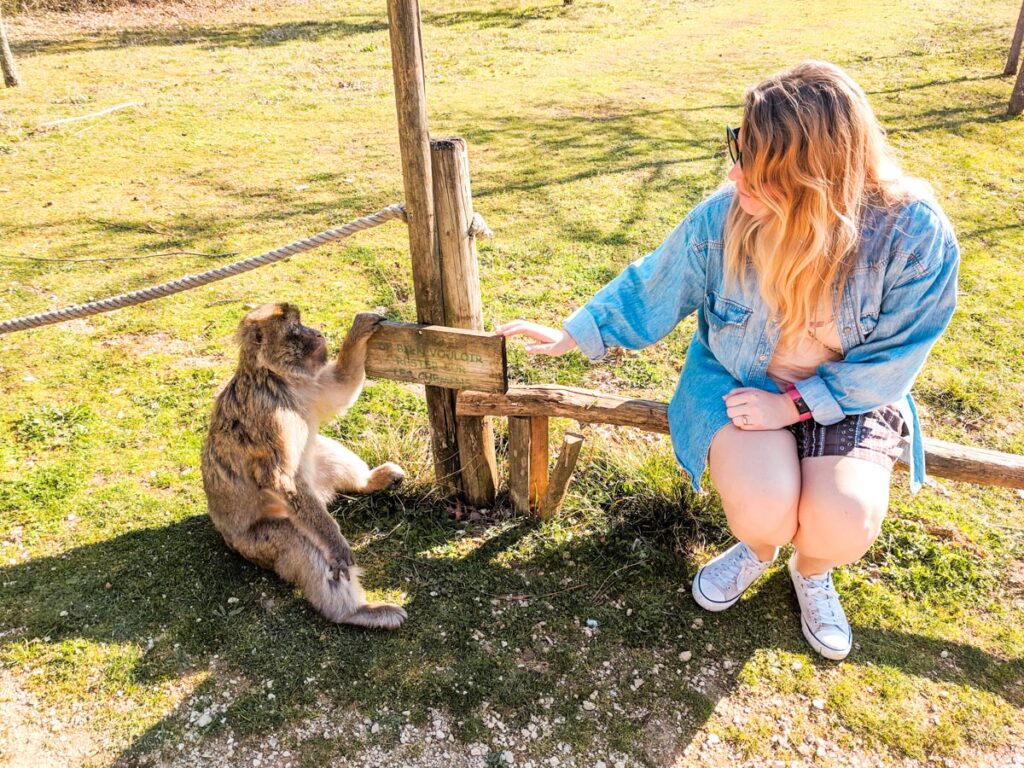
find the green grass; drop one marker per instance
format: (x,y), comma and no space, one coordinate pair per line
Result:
(592,129)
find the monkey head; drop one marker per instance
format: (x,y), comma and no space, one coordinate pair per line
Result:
(273,337)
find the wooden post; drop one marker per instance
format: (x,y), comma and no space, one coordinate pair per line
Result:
(560,476)
(414,140)
(460,281)
(1018,36)
(538,460)
(519,463)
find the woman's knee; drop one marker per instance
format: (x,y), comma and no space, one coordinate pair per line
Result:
(758,479)
(840,527)
(765,517)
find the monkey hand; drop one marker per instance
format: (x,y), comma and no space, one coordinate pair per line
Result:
(364,325)
(341,560)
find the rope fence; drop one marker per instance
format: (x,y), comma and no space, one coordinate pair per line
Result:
(395,211)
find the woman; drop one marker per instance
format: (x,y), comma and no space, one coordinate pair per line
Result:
(821,277)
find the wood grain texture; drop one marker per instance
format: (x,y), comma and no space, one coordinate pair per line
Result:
(519,463)
(942,459)
(417,177)
(442,357)
(460,282)
(561,474)
(539,455)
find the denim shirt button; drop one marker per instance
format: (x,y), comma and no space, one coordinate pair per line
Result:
(762,358)
(847,329)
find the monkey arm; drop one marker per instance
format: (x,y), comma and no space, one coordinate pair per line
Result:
(339,383)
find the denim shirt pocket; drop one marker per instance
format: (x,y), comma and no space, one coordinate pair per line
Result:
(727,322)
(867,285)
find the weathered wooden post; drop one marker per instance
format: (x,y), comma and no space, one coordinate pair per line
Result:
(460,288)
(414,139)
(446,274)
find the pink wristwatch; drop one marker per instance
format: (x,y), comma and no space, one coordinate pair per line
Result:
(798,401)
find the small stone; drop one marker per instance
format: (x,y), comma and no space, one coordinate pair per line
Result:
(592,623)
(818,703)
(375,728)
(204,720)
(685,656)
(713,738)
(589,705)
(507,757)
(698,623)
(232,600)
(944,654)
(797,665)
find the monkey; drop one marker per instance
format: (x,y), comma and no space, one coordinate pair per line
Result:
(267,472)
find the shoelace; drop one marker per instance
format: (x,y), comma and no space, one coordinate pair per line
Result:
(729,572)
(824,602)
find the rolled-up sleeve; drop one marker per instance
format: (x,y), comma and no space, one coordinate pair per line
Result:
(649,298)
(914,312)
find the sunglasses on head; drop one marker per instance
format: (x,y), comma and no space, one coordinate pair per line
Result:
(732,138)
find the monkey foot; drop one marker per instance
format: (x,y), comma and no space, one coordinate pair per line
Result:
(387,475)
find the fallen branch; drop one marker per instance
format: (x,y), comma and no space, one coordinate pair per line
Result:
(90,116)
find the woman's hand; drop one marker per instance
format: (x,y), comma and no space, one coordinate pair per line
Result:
(552,341)
(755,409)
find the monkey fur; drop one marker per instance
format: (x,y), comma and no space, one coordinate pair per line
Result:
(268,473)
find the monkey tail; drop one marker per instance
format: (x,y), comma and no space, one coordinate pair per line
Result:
(341,601)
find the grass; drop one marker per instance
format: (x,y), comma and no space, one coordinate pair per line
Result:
(592,129)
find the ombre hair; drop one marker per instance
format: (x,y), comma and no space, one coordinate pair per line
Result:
(814,154)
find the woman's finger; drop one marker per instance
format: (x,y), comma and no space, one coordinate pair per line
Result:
(740,390)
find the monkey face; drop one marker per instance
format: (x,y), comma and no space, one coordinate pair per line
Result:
(275,333)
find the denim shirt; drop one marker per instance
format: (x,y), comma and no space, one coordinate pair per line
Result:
(897,301)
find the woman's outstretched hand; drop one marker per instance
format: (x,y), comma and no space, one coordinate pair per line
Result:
(552,341)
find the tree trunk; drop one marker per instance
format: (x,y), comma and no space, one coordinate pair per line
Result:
(11,78)
(1018,36)
(1017,97)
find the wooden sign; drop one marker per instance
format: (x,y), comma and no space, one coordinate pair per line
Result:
(453,358)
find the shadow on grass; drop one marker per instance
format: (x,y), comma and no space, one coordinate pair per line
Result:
(496,615)
(227,36)
(266,35)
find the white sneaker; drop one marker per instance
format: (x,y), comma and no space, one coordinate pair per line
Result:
(821,616)
(719,584)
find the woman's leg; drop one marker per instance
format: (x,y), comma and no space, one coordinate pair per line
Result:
(843,501)
(842,504)
(758,476)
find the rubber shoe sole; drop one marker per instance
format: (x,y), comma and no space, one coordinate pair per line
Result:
(825,650)
(706,602)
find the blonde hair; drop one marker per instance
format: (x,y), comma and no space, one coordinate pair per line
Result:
(814,154)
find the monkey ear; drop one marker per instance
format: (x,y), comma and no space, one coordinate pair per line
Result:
(249,332)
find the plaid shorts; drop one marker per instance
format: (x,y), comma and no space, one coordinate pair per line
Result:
(878,436)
